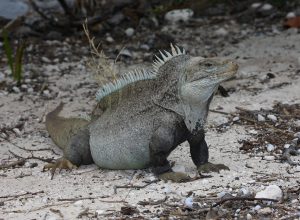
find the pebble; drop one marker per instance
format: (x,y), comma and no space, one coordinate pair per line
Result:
(236,118)
(297,135)
(221,32)
(126,53)
(24,86)
(270,147)
(100,211)
(17,132)
(188,202)
(294,201)
(244,191)
(78,203)
(248,216)
(265,211)
(256,5)
(286,146)
(253,131)
(46,60)
(145,47)
(269,158)
(272,117)
(178,15)
(297,168)
(16,89)
(30,90)
(167,190)
(46,93)
(266,7)
(109,39)
(129,32)
(221,194)
(179,168)
(290,15)
(257,207)
(260,117)
(270,192)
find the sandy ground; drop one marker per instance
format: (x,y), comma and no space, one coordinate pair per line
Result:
(28,193)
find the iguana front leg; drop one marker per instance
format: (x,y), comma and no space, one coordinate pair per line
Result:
(199,154)
(164,139)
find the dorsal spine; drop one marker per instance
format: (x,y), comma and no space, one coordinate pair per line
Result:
(138,75)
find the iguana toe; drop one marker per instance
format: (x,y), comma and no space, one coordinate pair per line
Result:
(210,167)
(60,164)
(175,177)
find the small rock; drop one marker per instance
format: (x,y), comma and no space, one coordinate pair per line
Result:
(46,60)
(253,131)
(260,117)
(167,190)
(244,191)
(266,7)
(145,47)
(24,86)
(221,194)
(256,5)
(100,211)
(269,158)
(221,32)
(3,135)
(272,117)
(46,93)
(126,53)
(106,184)
(129,32)
(248,216)
(294,201)
(297,168)
(297,135)
(236,118)
(188,202)
(291,15)
(78,203)
(17,132)
(265,211)
(109,39)
(286,146)
(16,89)
(271,192)
(257,207)
(270,147)
(179,168)
(178,15)
(30,90)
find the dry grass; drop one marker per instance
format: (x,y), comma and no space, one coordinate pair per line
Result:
(103,68)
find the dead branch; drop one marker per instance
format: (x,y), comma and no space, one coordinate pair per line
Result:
(243,199)
(20,162)
(133,186)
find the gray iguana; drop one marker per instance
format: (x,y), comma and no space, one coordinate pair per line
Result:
(144,115)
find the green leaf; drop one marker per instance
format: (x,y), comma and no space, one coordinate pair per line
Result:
(8,50)
(18,61)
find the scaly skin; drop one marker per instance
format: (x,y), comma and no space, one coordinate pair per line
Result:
(139,125)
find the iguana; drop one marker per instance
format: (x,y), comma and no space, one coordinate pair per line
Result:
(144,115)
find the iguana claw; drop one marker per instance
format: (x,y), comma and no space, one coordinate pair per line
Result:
(61,163)
(176,177)
(210,167)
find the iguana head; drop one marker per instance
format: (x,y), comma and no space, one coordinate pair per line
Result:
(197,84)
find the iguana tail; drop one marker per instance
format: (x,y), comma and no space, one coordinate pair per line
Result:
(62,129)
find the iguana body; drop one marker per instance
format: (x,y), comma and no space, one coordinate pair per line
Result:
(141,122)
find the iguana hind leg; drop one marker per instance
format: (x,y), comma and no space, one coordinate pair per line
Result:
(60,164)
(199,154)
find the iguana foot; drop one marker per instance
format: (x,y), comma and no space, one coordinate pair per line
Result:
(175,177)
(61,163)
(210,167)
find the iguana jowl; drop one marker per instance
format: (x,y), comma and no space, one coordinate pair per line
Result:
(144,115)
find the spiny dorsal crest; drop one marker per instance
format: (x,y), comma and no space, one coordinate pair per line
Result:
(138,74)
